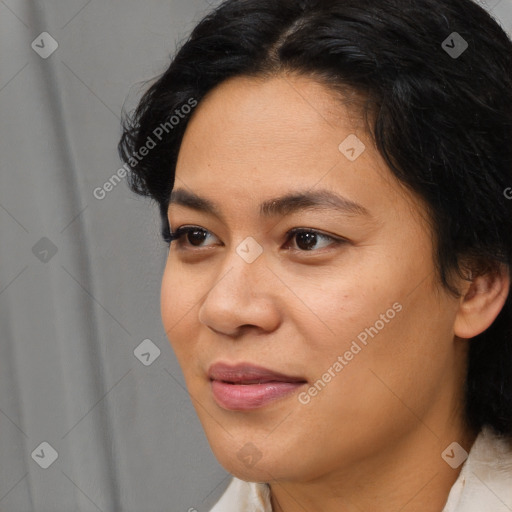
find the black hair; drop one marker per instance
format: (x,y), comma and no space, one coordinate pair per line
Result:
(437,78)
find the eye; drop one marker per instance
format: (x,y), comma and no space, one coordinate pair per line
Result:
(194,236)
(306,239)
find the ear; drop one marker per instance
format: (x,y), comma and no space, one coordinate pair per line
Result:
(482,300)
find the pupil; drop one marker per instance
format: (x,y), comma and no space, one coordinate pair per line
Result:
(196,235)
(308,238)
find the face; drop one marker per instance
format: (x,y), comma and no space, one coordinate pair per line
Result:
(333,335)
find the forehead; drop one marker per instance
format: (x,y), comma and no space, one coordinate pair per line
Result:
(260,126)
(254,137)
(284,109)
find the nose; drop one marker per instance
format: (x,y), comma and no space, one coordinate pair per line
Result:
(241,296)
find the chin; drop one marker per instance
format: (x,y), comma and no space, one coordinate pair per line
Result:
(259,462)
(261,471)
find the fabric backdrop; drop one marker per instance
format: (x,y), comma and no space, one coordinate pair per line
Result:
(94,415)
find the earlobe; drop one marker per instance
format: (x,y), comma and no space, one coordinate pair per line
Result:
(481,302)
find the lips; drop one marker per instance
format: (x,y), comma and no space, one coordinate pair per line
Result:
(246,386)
(248,374)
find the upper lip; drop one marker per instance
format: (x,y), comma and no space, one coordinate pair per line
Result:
(248,373)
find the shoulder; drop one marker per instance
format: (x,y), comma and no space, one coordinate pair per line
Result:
(243,496)
(485,481)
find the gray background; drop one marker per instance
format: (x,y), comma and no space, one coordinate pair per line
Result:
(80,277)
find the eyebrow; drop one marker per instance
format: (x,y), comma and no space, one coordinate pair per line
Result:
(279,206)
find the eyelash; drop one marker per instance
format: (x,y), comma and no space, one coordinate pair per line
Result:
(181,232)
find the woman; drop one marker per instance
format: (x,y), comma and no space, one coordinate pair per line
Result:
(332,179)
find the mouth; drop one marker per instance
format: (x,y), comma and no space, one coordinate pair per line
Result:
(245,386)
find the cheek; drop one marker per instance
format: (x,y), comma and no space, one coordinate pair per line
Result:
(394,350)
(178,304)
(341,304)
(168,300)
(384,333)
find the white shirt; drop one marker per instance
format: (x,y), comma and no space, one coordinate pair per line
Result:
(484,483)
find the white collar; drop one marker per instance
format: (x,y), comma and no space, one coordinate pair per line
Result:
(484,483)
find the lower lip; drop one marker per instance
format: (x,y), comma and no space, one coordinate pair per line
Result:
(244,397)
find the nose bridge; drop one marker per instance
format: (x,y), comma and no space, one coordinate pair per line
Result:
(244,270)
(242,292)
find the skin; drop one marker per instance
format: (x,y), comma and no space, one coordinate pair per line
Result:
(372,438)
